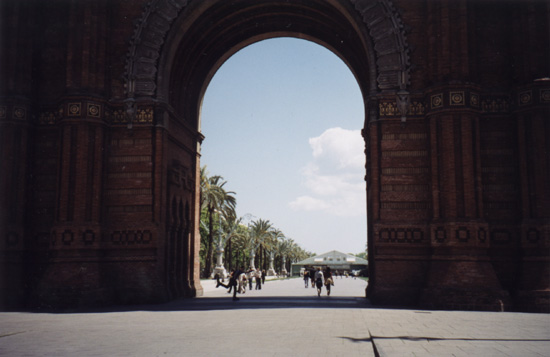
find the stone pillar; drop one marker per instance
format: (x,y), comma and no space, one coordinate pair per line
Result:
(170,250)
(271,271)
(533,287)
(284,272)
(219,270)
(398,201)
(73,80)
(14,141)
(180,251)
(72,274)
(16,61)
(137,210)
(252,258)
(460,273)
(195,241)
(188,262)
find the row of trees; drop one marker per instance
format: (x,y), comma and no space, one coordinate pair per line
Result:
(239,241)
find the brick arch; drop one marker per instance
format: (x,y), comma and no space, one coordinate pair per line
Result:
(457,208)
(377,22)
(179,45)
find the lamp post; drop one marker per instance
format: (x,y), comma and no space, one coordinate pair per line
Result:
(284,272)
(220,269)
(271,270)
(252,257)
(253,244)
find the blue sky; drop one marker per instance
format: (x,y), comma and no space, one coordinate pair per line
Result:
(282,121)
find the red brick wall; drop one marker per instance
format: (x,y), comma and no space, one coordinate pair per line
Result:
(93,212)
(477,152)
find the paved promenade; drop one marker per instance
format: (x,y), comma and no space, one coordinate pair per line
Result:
(282,319)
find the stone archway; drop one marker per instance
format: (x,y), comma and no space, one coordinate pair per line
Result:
(99,191)
(178,46)
(376,26)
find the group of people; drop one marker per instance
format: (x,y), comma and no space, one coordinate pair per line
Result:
(238,279)
(345,273)
(318,279)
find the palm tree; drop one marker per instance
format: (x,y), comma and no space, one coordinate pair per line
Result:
(218,209)
(238,244)
(292,253)
(295,254)
(214,198)
(259,232)
(228,228)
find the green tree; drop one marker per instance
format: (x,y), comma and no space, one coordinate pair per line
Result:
(242,243)
(272,245)
(284,248)
(259,232)
(214,200)
(229,227)
(237,247)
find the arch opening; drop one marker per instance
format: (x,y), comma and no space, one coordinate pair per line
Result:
(184,76)
(434,175)
(282,118)
(198,37)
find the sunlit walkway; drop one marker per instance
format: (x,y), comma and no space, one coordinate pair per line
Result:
(283,319)
(343,287)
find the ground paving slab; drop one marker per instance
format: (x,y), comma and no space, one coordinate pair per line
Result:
(282,319)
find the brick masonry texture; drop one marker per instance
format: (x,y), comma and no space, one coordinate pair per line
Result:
(100,148)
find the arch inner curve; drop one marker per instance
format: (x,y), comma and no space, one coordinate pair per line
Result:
(193,39)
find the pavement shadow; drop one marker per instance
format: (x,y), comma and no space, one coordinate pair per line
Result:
(272,302)
(227,303)
(428,339)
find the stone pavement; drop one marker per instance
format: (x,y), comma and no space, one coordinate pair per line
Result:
(282,319)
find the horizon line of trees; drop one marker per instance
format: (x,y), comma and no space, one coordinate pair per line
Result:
(257,242)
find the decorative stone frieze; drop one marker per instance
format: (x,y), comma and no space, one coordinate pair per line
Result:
(15,110)
(380,17)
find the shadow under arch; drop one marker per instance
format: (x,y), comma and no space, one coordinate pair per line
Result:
(178,46)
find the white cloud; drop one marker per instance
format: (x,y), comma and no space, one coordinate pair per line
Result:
(341,147)
(308,203)
(334,177)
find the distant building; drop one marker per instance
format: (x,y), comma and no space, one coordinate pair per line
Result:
(334,259)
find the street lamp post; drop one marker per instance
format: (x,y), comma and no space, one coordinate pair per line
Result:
(271,270)
(284,272)
(252,256)
(219,270)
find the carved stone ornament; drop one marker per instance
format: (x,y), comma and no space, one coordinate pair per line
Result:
(380,17)
(180,176)
(403,103)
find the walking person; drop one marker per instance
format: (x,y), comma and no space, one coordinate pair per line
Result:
(258,276)
(306,277)
(263,276)
(227,286)
(232,283)
(250,274)
(328,280)
(319,279)
(312,277)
